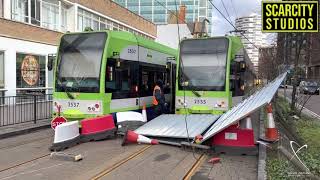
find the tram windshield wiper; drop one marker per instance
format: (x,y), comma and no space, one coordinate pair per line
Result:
(196,93)
(64,86)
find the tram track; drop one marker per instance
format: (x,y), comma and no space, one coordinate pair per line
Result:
(194,167)
(25,162)
(120,163)
(141,151)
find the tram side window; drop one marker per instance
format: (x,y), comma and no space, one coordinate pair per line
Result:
(164,76)
(121,80)
(147,83)
(148,78)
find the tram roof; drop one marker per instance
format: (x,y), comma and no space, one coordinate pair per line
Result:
(141,41)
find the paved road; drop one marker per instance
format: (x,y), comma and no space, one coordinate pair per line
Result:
(313,104)
(157,162)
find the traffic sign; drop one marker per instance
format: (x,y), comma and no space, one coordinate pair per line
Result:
(56,121)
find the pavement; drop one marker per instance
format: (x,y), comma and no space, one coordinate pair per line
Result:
(230,168)
(23,128)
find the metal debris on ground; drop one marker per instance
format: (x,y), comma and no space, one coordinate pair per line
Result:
(246,107)
(174,125)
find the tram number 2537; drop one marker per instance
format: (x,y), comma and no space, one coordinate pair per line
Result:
(200,101)
(73,104)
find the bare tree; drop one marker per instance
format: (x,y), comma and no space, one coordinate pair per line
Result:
(297,44)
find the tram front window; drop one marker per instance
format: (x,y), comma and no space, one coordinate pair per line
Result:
(79,60)
(203,66)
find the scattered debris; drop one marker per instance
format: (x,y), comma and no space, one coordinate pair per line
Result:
(296,117)
(214,160)
(264,143)
(198,139)
(65,156)
(195,147)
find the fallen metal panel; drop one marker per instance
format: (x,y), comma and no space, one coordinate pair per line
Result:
(246,107)
(173,125)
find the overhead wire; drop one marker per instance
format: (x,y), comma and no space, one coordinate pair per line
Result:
(232,24)
(224,6)
(184,91)
(234,9)
(171,12)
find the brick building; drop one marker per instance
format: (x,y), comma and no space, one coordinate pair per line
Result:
(30,30)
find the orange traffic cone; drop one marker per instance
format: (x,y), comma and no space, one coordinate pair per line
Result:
(132,137)
(144,113)
(271,131)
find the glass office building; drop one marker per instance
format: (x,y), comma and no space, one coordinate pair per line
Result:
(157,11)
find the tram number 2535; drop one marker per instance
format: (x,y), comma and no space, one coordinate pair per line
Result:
(200,101)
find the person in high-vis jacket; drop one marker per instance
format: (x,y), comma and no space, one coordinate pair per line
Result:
(158,99)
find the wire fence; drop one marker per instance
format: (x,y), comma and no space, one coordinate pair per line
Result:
(26,108)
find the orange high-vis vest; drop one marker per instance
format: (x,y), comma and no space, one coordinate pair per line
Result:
(154,99)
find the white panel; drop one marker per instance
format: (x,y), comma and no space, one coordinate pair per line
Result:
(209,102)
(118,104)
(129,53)
(84,106)
(174,126)
(246,107)
(129,116)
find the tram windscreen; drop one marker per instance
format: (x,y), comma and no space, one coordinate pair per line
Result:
(79,58)
(203,64)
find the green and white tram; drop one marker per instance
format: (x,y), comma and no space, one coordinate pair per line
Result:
(211,71)
(99,73)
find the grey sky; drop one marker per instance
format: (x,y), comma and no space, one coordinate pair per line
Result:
(239,8)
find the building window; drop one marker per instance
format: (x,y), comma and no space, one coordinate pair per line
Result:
(64,17)
(31,71)
(87,19)
(50,14)
(1,69)
(35,12)
(46,16)
(19,10)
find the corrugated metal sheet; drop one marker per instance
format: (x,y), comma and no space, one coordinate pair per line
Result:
(246,107)
(173,125)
